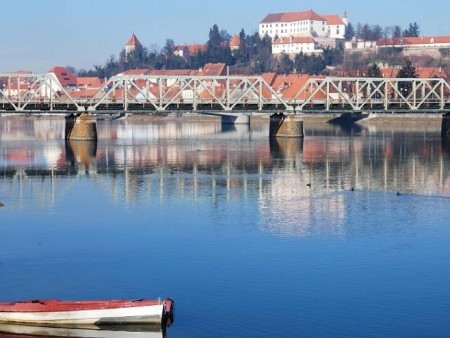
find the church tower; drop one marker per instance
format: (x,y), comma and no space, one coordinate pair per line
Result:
(345,18)
(132,43)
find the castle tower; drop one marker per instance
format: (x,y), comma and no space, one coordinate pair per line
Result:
(132,43)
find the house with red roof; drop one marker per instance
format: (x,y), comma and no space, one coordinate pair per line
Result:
(235,42)
(335,26)
(186,50)
(66,78)
(422,72)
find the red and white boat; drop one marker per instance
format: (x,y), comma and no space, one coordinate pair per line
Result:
(56,313)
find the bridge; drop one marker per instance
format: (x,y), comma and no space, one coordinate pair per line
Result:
(43,93)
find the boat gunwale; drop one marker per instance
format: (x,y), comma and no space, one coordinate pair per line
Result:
(52,305)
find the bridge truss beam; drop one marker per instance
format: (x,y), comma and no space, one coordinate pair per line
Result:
(43,92)
(24,92)
(372,94)
(196,93)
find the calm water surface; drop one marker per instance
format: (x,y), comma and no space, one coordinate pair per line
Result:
(223,221)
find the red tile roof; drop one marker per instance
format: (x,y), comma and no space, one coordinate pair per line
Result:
(170,72)
(191,49)
(389,73)
(422,72)
(410,41)
(65,77)
(89,81)
(430,72)
(133,41)
(298,83)
(293,17)
(333,19)
(214,69)
(144,71)
(269,78)
(235,41)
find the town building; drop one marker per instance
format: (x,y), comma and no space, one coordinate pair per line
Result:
(306,23)
(186,50)
(295,45)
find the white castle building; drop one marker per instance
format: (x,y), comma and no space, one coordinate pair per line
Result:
(300,24)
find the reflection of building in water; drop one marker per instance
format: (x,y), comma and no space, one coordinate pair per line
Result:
(21,129)
(153,131)
(159,161)
(289,207)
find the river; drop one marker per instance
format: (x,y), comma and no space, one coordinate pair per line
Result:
(342,234)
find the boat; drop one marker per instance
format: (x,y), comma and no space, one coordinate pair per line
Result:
(23,331)
(57,313)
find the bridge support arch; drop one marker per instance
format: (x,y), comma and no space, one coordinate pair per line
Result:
(81,128)
(286,125)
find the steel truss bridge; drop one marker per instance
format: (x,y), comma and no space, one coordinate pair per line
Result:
(38,93)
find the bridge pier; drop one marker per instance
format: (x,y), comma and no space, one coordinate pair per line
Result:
(282,125)
(446,125)
(81,128)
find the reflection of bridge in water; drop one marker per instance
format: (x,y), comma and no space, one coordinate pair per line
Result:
(41,93)
(278,170)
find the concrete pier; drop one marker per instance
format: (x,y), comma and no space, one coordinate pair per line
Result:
(286,125)
(446,125)
(81,128)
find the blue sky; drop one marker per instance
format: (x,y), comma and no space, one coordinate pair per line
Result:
(37,35)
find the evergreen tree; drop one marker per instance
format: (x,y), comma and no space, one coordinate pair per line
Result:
(349,32)
(374,71)
(412,31)
(286,65)
(217,50)
(397,32)
(407,71)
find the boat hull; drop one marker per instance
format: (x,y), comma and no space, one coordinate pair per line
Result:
(99,313)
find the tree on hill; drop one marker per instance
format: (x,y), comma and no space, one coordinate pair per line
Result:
(412,31)
(217,49)
(374,71)
(285,66)
(397,32)
(349,32)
